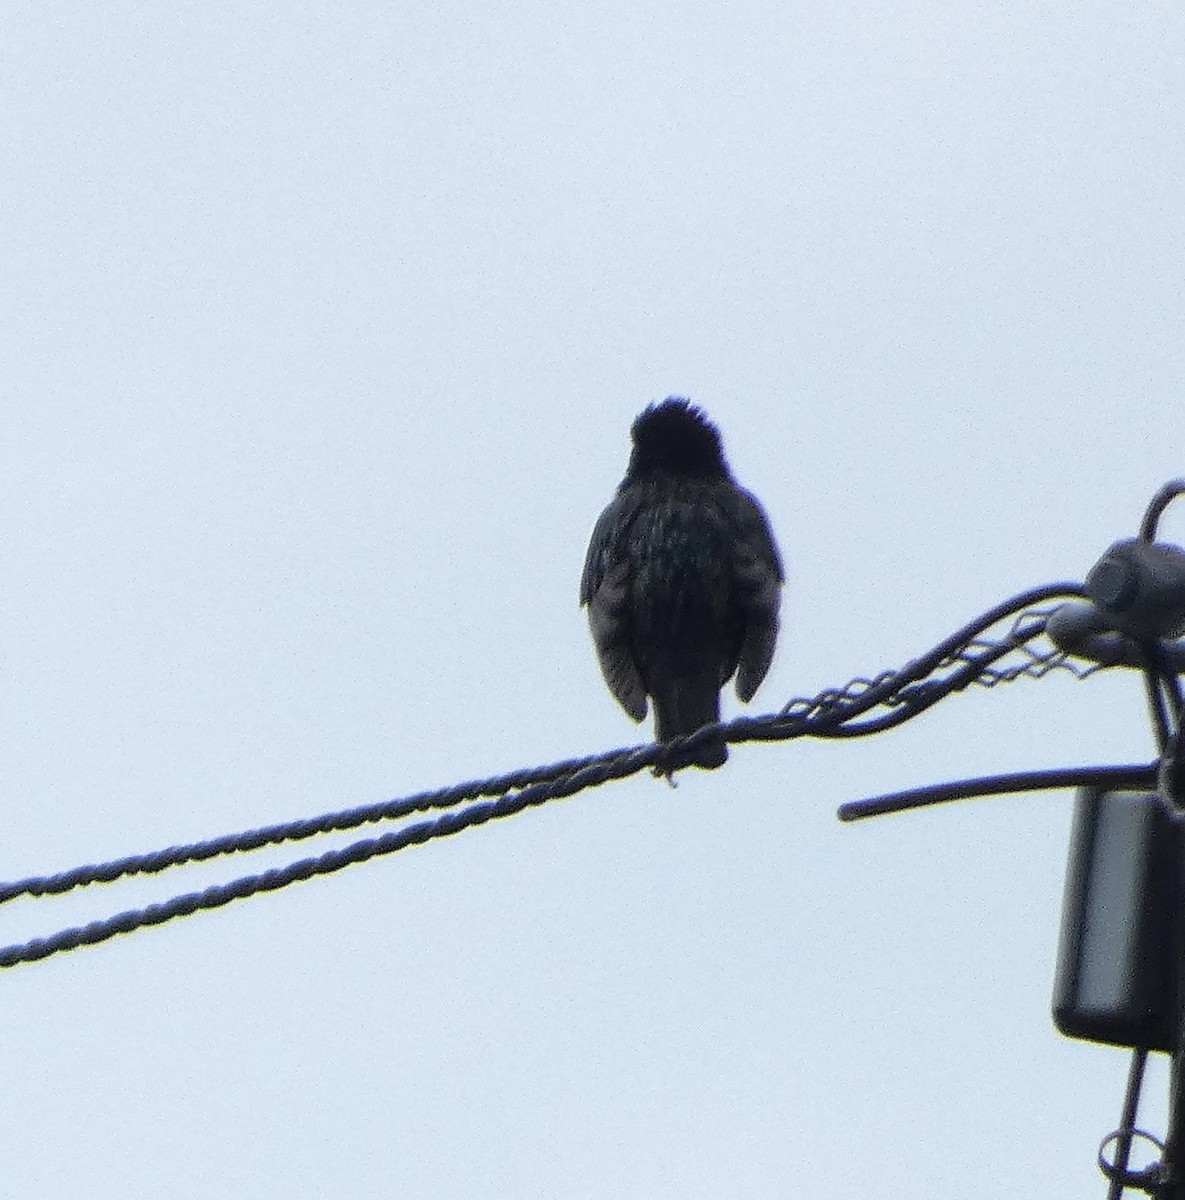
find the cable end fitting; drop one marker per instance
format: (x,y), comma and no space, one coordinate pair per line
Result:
(1140,586)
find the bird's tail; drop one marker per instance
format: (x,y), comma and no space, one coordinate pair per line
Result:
(681,706)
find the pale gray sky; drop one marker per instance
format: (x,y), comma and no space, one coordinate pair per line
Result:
(324,325)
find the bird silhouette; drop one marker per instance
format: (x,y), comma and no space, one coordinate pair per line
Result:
(682,580)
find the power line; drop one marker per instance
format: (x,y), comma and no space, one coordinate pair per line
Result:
(863,706)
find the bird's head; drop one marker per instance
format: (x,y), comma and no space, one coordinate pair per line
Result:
(677,438)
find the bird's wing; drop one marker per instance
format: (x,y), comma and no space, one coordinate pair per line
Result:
(605,588)
(757,569)
(607,535)
(752,525)
(608,618)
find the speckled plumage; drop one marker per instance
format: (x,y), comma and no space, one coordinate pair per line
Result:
(682,579)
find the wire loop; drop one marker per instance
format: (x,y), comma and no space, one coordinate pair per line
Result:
(1163,498)
(1146,1179)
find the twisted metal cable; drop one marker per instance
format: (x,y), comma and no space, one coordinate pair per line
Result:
(291,831)
(324,864)
(966,657)
(831,713)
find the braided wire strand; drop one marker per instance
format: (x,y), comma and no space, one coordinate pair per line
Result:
(325,864)
(291,831)
(966,657)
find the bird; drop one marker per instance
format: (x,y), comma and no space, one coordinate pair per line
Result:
(682,580)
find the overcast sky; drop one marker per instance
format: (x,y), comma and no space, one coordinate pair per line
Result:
(323,326)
